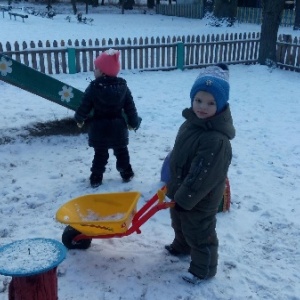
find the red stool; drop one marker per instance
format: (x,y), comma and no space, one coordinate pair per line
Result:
(32,264)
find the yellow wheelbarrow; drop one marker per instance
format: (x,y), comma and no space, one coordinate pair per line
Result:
(106,216)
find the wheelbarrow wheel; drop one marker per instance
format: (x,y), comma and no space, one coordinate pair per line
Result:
(68,239)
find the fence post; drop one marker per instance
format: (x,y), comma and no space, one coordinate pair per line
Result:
(71,60)
(180,55)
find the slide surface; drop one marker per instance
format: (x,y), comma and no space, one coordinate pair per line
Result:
(38,83)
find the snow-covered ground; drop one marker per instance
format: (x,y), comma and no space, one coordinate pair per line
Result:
(259,254)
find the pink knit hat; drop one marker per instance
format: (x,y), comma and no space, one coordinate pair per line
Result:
(108,62)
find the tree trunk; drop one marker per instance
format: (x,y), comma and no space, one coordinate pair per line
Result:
(150,3)
(87,6)
(49,6)
(128,4)
(271,17)
(73,2)
(208,6)
(297,16)
(225,10)
(36,287)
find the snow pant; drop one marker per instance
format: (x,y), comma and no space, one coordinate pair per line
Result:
(195,233)
(101,158)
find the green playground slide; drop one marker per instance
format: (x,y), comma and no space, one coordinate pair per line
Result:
(33,81)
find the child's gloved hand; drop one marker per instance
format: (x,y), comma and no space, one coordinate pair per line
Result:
(80,125)
(138,125)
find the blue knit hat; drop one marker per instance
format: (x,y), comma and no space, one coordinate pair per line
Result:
(214,80)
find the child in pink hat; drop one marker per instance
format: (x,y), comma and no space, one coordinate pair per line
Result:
(109,104)
(108,62)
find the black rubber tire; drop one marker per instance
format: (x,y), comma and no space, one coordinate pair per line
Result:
(67,239)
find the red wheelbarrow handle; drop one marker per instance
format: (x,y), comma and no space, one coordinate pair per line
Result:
(152,206)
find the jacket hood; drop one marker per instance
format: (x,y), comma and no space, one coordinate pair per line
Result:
(222,122)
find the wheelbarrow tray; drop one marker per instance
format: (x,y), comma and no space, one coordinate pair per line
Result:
(100,214)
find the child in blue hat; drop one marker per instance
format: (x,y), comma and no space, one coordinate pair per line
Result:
(198,167)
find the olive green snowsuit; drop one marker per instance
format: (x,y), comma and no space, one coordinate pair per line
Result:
(198,169)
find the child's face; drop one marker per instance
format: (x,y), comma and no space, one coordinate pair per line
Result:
(204,105)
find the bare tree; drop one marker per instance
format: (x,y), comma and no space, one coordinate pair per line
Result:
(225,10)
(150,3)
(271,18)
(297,16)
(73,2)
(208,6)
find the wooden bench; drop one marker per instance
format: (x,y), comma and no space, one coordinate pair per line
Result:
(17,15)
(4,8)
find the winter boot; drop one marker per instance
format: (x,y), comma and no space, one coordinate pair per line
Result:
(171,250)
(191,278)
(96,180)
(127,175)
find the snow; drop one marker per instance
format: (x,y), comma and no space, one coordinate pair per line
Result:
(94,216)
(31,256)
(259,253)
